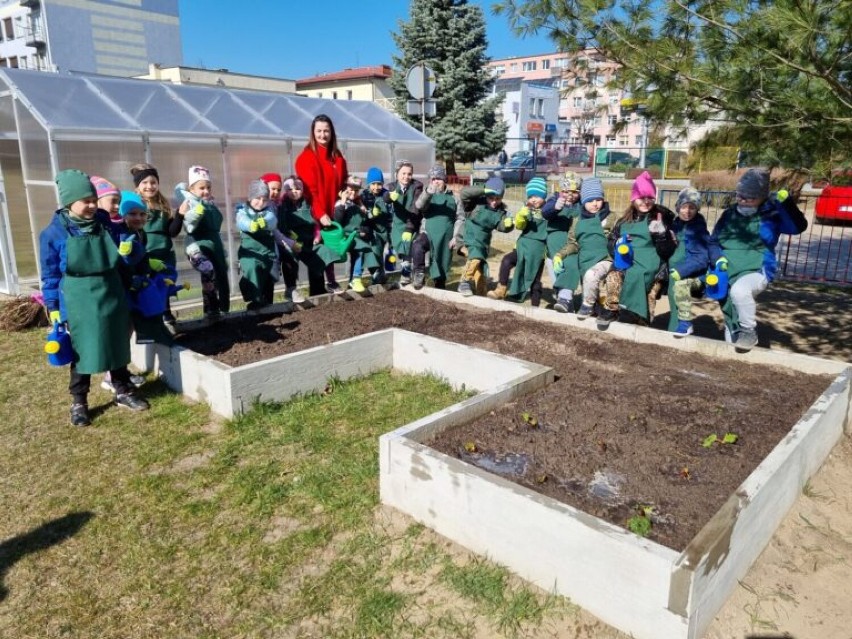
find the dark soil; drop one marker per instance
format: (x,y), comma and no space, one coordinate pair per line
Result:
(619,433)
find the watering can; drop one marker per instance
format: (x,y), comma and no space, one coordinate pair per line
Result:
(623,253)
(391,261)
(336,239)
(716,283)
(58,346)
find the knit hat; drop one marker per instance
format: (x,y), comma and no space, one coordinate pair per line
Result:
(537,186)
(103,187)
(570,182)
(643,186)
(688,195)
(438,172)
(258,188)
(754,183)
(354,181)
(196,174)
(73,185)
(271,177)
(591,189)
(495,186)
(130,201)
(374,174)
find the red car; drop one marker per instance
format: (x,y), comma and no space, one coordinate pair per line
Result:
(834,204)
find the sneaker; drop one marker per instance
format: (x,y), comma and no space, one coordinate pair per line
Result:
(465,289)
(419,279)
(357,285)
(605,318)
(107,385)
(80,415)
(137,380)
(585,311)
(684,328)
(294,295)
(746,339)
(562,306)
(129,400)
(334,287)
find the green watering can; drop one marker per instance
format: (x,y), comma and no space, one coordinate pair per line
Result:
(336,240)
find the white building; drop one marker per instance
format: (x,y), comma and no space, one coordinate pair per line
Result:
(531,111)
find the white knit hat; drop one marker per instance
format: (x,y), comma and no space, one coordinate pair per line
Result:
(196,174)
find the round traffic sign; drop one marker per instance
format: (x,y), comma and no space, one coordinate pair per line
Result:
(421,82)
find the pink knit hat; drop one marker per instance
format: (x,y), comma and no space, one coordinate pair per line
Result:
(103,187)
(643,186)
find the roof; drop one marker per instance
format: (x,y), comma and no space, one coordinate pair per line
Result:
(381,71)
(108,105)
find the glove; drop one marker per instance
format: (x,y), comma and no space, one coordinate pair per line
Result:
(261,223)
(782,195)
(253,226)
(407,236)
(657,226)
(722,263)
(431,190)
(674,275)
(508,223)
(376,212)
(394,196)
(521,218)
(168,282)
(186,286)
(54,317)
(558,266)
(156,265)
(125,248)
(297,246)
(560,204)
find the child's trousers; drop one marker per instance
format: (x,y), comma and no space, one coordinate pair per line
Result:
(592,279)
(743,293)
(81,383)
(209,294)
(684,291)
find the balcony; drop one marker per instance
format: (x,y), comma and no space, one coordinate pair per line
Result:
(32,4)
(34,37)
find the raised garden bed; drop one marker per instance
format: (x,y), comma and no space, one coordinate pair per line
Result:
(618,434)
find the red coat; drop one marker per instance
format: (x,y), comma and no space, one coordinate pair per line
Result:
(323,179)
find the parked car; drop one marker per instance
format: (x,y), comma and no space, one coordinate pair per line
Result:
(610,158)
(834,204)
(520,154)
(576,156)
(520,169)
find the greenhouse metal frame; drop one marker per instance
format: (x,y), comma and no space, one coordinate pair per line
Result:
(103,125)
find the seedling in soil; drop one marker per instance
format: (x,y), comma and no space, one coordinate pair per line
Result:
(641,524)
(729,438)
(470,447)
(530,421)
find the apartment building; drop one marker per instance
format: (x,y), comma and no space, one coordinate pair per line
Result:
(110,37)
(218,78)
(530,109)
(360,83)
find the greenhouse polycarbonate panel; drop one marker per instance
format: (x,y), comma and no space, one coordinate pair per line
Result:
(44,205)
(394,128)
(225,112)
(360,156)
(34,145)
(109,159)
(67,102)
(8,126)
(294,120)
(247,161)
(421,156)
(151,106)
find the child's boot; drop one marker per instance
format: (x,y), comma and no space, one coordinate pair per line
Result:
(80,413)
(684,328)
(419,279)
(564,302)
(498,293)
(746,339)
(357,284)
(465,289)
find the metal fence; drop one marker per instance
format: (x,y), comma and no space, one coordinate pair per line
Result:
(823,253)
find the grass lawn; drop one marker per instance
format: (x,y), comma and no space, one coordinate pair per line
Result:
(173,523)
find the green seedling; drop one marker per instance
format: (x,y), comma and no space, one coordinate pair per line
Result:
(641,524)
(531,421)
(713,438)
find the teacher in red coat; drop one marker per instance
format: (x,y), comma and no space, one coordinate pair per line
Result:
(323,171)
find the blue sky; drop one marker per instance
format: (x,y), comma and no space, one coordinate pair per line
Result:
(299,38)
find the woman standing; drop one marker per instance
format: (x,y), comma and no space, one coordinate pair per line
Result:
(323,171)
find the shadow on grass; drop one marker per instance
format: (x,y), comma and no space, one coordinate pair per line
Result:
(48,534)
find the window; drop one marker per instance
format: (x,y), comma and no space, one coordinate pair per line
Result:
(614,101)
(578,102)
(540,105)
(513,68)
(545,64)
(610,140)
(4,62)
(348,95)
(529,65)
(23,62)
(8,29)
(334,95)
(532,107)
(319,94)
(500,69)
(623,140)
(639,140)
(611,119)
(13,62)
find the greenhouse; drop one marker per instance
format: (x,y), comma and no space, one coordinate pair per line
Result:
(104,125)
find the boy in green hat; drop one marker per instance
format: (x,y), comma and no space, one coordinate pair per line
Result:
(82,287)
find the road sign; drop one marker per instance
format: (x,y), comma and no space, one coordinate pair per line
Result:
(421,82)
(415,107)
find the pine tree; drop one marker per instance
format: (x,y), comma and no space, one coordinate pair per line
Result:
(449,36)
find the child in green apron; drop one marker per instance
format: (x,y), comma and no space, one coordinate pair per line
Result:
(82,287)
(258,252)
(295,221)
(379,217)
(203,224)
(365,252)
(405,221)
(561,210)
(438,208)
(631,294)
(531,247)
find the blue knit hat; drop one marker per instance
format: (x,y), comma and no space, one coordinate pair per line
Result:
(495,186)
(130,201)
(537,186)
(374,174)
(591,189)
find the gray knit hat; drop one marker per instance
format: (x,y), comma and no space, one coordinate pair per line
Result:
(754,183)
(438,172)
(258,188)
(591,189)
(688,195)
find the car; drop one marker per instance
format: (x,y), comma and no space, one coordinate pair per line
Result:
(611,158)
(521,169)
(834,204)
(577,156)
(520,154)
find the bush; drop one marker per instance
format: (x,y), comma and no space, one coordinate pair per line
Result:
(618,168)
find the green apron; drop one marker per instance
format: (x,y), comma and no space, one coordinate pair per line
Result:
(367,248)
(158,242)
(440,217)
(257,254)
(639,277)
(589,234)
(531,247)
(206,235)
(478,229)
(301,223)
(558,227)
(95,302)
(741,244)
(401,210)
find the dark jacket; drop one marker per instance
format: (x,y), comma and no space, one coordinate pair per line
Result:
(695,238)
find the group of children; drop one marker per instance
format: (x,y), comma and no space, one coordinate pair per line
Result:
(109,267)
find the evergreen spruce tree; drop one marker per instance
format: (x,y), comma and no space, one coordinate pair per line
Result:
(449,36)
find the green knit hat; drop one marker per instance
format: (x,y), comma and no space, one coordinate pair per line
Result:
(73,185)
